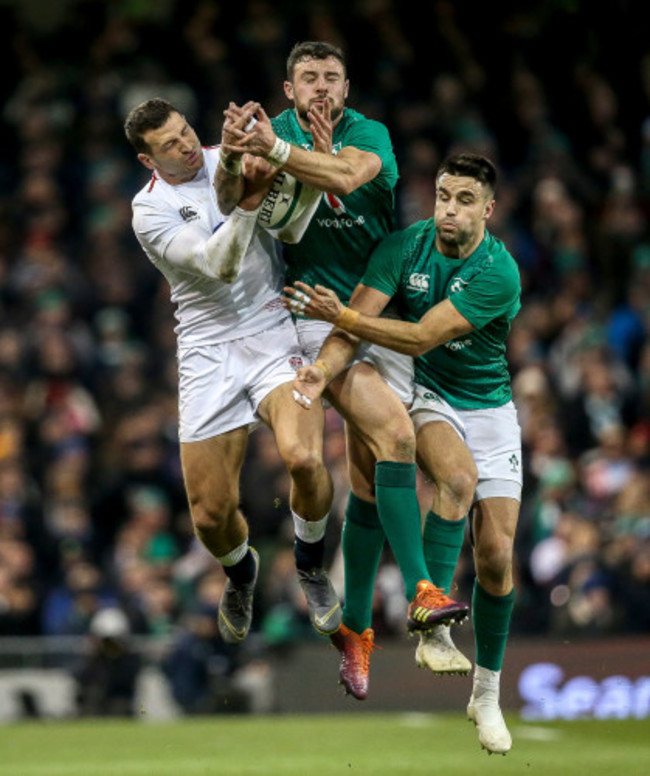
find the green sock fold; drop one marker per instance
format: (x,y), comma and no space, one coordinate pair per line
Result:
(399,512)
(443,540)
(491,617)
(362,541)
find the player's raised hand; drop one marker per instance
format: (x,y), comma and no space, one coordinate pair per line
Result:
(320,126)
(236,118)
(308,385)
(254,137)
(318,302)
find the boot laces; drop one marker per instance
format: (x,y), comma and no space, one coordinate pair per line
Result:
(433,597)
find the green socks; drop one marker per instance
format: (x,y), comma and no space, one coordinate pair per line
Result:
(399,512)
(362,541)
(491,617)
(443,540)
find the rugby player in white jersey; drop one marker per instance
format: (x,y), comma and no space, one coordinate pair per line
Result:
(237,355)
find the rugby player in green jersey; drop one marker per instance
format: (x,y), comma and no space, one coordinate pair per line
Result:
(457,289)
(356,211)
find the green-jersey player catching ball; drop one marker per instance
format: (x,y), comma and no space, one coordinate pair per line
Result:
(357,179)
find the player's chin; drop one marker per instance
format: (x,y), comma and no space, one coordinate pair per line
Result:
(448,235)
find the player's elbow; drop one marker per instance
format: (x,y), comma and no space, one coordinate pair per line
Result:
(416,349)
(420,344)
(228,270)
(346,180)
(345,185)
(289,238)
(227,277)
(342,188)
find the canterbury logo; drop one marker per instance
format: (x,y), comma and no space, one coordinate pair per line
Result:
(418,282)
(457,285)
(188,213)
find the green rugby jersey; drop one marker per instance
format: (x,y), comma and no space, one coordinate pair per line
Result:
(344,230)
(470,372)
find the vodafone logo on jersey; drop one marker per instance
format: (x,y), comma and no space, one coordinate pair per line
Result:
(340,218)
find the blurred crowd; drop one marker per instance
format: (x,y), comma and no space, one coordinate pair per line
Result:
(92,509)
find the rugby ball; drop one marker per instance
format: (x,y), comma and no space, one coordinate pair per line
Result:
(280,203)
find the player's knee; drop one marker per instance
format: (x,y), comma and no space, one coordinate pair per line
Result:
(303,462)
(396,442)
(494,562)
(213,516)
(459,486)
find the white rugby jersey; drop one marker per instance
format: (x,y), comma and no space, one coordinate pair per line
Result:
(208,310)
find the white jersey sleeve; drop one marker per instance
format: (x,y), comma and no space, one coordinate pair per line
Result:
(219,256)
(224,273)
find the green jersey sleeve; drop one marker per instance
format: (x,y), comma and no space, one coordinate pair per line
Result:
(385,266)
(372,136)
(493,289)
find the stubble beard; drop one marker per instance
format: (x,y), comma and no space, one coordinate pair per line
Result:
(451,243)
(335,113)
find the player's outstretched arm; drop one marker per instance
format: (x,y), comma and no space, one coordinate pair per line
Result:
(440,324)
(339,346)
(219,255)
(339,174)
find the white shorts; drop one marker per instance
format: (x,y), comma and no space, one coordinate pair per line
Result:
(492,435)
(395,368)
(221,386)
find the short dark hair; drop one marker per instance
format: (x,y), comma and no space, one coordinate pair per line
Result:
(471,166)
(148,115)
(313,49)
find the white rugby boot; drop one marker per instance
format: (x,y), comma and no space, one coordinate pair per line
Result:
(437,652)
(484,711)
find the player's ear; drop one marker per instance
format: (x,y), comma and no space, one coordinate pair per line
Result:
(288,90)
(489,209)
(146,161)
(346,89)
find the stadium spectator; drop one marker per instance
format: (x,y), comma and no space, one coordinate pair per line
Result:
(106,677)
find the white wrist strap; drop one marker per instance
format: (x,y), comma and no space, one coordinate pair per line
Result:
(279,153)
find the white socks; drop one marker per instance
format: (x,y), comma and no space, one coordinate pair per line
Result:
(310,531)
(484,710)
